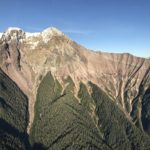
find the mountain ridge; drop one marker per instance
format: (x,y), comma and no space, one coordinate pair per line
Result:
(57,31)
(27,59)
(55,47)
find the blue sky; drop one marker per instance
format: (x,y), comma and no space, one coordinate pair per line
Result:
(105,25)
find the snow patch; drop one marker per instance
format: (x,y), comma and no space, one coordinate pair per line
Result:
(48,33)
(1,35)
(13,29)
(13,33)
(45,34)
(34,44)
(28,34)
(51,31)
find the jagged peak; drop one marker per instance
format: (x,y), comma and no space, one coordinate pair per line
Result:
(13,33)
(46,33)
(52,31)
(13,29)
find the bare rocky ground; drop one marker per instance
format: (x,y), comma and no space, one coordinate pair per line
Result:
(27,57)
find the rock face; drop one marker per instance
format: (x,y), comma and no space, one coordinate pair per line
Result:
(28,57)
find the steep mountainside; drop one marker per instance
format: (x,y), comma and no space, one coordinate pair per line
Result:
(13,115)
(76,98)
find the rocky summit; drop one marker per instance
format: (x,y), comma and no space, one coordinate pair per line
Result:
(57,95)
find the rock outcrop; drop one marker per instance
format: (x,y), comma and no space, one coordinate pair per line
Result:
(27,57)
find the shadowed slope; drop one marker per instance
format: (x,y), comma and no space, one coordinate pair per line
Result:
(13,115)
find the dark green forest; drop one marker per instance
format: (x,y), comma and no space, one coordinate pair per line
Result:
(68,120)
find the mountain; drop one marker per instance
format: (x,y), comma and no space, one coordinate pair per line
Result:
(56,94)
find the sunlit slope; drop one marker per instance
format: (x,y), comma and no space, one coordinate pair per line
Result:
(88,119)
